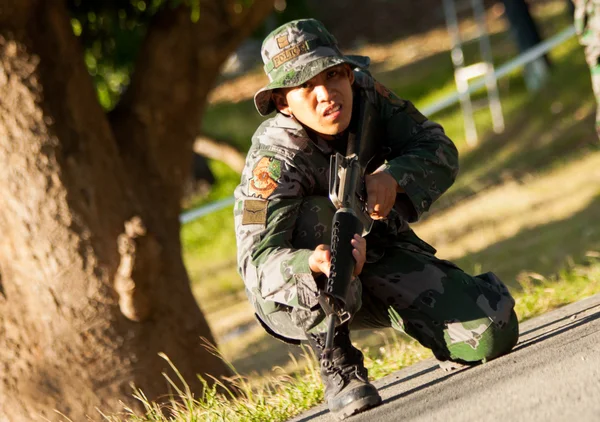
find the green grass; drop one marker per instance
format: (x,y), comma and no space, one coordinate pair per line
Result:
(280,396)
(209,244)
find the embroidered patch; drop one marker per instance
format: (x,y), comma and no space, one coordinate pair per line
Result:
(264,177)
(389,95)
(283,41)
(255,212)
(289,54)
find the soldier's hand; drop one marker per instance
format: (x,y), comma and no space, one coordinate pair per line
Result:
(359,253)
(320,260)
(381,194)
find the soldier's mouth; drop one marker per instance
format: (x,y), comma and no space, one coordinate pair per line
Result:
(332,110)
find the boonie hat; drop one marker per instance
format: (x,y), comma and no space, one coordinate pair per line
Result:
(296,52)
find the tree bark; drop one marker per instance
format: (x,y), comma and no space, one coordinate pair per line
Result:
(93,283)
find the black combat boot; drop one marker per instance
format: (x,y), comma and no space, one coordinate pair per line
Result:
(347,387)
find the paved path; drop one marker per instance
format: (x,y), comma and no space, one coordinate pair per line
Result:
(553,374)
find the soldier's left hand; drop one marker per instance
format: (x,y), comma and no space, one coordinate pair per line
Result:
(381,194)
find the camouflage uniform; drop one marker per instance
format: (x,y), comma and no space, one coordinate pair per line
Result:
(587,24)
(283,212)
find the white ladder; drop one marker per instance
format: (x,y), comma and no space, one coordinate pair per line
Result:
(463,74)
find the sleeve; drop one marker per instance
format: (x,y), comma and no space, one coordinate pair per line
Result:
(422,159)
(268,203)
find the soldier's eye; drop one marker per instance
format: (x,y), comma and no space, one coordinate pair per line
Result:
(305,85)
(332,74)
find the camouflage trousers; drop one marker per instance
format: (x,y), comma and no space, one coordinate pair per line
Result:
(404,286)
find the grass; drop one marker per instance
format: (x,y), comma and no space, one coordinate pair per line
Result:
(525,206)
(282,395)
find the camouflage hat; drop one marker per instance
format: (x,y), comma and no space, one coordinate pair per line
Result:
(296,52)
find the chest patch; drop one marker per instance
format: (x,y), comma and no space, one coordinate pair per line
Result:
(264,177)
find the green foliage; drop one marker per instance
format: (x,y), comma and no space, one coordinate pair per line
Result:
(112,32)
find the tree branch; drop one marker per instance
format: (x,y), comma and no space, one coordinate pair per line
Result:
(219,150)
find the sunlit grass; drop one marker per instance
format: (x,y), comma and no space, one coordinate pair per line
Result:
(540,294)
(280,396)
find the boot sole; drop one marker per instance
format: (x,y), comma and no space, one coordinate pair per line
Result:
(357,407)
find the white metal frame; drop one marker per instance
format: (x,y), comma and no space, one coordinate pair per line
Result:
(464,73)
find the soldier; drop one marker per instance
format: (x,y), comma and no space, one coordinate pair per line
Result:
(587,24)
(283,217)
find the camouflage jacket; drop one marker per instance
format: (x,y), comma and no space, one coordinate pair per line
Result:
(285,164)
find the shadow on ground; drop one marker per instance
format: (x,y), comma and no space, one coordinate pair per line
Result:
(564,243)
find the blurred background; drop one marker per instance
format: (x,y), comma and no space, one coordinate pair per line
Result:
(525,204)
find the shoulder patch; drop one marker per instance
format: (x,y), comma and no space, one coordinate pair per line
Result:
(264,177)
(255,212)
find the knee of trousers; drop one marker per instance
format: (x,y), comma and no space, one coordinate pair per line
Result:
(482,340)
(313,224)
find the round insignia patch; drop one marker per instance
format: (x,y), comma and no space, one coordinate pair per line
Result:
(264,177)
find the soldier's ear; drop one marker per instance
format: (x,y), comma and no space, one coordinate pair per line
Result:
(281,102)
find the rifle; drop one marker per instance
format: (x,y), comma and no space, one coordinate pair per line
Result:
(348,193)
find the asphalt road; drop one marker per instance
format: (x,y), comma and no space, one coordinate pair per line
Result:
(553,374)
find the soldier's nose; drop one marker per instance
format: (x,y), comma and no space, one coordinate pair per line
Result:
(322,93)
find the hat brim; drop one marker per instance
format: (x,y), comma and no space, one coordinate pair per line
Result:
(262,99)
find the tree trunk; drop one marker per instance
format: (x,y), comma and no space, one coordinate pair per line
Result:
(93,283)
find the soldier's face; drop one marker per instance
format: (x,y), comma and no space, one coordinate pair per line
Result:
(324,103)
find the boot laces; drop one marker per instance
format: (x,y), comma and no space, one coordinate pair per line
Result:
(342,372)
